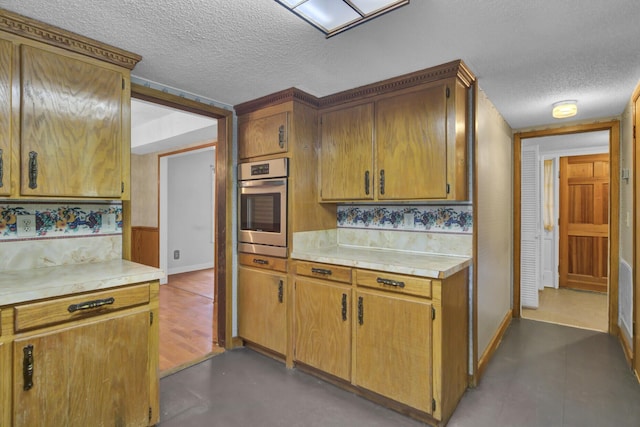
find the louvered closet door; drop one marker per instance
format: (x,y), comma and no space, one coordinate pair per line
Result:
(530,244)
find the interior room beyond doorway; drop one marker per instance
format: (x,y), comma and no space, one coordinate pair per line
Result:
(549,209)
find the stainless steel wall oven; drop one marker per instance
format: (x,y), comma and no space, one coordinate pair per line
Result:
(262,207)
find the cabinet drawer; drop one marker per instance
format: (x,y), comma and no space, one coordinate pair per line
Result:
(60,310)
(410,285)
(324,271)
(261,261)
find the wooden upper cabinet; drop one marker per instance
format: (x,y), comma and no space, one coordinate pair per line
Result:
(261,136)
(411,137)
(346,164)
(71,126)
(6,130)
(411,145)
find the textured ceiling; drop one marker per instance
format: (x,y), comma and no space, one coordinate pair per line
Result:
(526,54)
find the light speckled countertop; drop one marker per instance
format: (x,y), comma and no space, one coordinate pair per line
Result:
(17,286)
(392,261)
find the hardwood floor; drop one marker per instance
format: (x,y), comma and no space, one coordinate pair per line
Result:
(186,320)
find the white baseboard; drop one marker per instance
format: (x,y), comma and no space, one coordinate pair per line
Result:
(188,268)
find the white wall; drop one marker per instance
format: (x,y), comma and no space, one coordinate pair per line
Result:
(494,226)
(190,211)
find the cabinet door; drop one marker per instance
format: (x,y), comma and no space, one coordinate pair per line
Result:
(411,145)
(6,63)
(262,312)
(346,161)
(262,136)
(70,126)
(393,348)
(323,326)
(84,375)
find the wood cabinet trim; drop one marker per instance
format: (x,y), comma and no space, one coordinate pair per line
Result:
(451,69)
(287,95)
(31,29)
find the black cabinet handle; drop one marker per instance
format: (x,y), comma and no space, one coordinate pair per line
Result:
(360,311)
(281,292)
(281,136)
(33,170)
(322,271)
(27,367)
(344,307)
(1,168)
(382,181)
(366,183)
(390,282)
(91,304)
(260,261)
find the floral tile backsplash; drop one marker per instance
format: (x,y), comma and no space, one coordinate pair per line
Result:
(54,220)
(431,218)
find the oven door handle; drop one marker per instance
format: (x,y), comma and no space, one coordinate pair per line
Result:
(263,183)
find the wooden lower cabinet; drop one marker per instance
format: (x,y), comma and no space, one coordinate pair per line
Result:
(262,308)
(323,326)
(82,360)
(84,375)
(403,341)
(394,347)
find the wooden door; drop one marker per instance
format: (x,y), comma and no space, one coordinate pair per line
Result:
(584,222)
(394,347)
(262,136)
(346,162)
(411,145)
(323,326)
(6,130)
(71,134)
(85,375)
(262,312)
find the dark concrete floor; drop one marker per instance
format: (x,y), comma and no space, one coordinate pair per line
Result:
(542,375)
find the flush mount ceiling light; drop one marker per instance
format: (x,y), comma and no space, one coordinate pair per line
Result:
(564,109)
(335,16)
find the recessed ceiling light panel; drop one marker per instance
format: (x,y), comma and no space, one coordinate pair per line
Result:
(334,16)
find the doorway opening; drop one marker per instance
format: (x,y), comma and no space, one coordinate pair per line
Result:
(565,203)
(203,273)
(548,252)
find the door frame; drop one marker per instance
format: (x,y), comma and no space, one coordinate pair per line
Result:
(224,190)
(614,209)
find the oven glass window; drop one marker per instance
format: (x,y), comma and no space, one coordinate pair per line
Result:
(260,212)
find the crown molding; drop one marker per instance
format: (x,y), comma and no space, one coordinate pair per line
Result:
(451,69)
(38,31)
(291,94)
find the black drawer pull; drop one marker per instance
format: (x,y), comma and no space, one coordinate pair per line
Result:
(33,170)
(91,304)
(344,307)
(27,367)
(1,168)
(321,271)
(390,282)
(360,311)
(260,261)
(281,291)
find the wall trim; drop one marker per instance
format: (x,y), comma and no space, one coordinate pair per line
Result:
(189,268)
(486,357)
